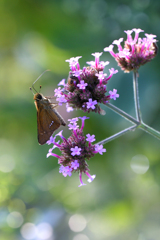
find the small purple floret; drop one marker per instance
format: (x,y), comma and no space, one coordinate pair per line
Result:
(100,149)
(73,126)
(58,92)
(61,99)
(113,94)
(73,120)
(75,164)
(90,138)
(82,84)
(80,178)
(62,82)
(91,178)
(91,104)
(75,151)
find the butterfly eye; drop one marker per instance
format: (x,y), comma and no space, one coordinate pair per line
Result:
(39,96)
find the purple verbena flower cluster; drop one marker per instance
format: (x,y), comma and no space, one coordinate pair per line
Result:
(86,87)
(136,52)
(75,150)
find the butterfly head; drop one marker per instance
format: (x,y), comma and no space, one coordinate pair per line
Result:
(38,96)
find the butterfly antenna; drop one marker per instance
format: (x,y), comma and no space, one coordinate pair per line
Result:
(37,80)
(31,90)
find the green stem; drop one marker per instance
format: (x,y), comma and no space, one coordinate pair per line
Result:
(122,113)
(138,121)
(136,96)
(117,135)
(141,125)
(150,130)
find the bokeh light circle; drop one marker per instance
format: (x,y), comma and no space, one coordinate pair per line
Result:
(77,223)
(28,231)
(139,164)
(7,163)
(80,237)
(14,219)
(44,230)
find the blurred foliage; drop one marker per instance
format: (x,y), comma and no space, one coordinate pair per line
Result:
(119,204)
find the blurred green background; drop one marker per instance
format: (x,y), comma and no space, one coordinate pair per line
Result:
(36,201)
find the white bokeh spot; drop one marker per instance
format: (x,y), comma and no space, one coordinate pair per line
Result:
(77,223)
(139,164)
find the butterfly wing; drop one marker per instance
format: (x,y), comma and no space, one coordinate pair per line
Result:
(47,123)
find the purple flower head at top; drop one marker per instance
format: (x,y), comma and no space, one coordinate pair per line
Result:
(75,151)
(136,51)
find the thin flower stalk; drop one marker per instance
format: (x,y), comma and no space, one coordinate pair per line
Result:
(150,130)
(140,125)
(119,134)
(136,96)
(122,113)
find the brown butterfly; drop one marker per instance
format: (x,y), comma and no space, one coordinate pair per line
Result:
(48,119)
